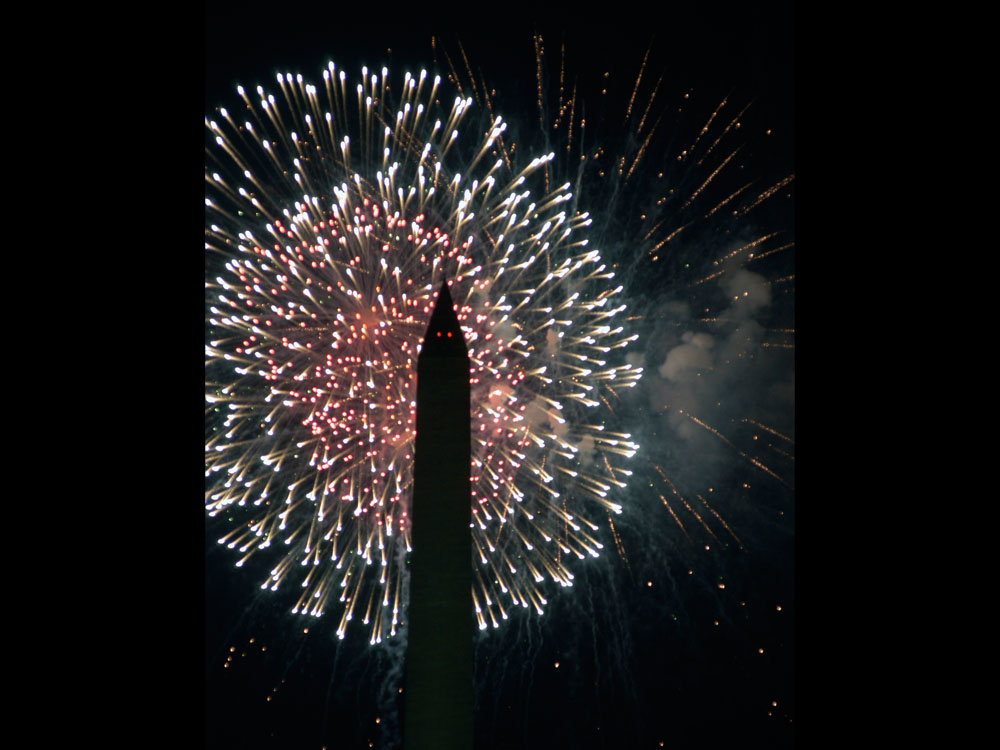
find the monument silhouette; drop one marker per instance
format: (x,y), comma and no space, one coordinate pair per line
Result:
(438,685)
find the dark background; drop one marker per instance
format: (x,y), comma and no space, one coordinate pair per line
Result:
(638,668)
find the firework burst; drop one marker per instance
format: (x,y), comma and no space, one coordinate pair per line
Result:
(332,213)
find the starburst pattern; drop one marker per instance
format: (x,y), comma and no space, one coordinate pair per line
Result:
(323,255)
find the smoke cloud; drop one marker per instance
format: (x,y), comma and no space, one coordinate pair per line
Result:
(717,371)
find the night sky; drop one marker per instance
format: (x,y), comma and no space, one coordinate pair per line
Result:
(690,643)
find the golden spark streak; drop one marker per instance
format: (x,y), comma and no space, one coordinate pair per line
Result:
(768,429)
(724,439)
(721,520)
(768,193)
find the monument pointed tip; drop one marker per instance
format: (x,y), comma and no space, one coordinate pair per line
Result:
(444,334)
